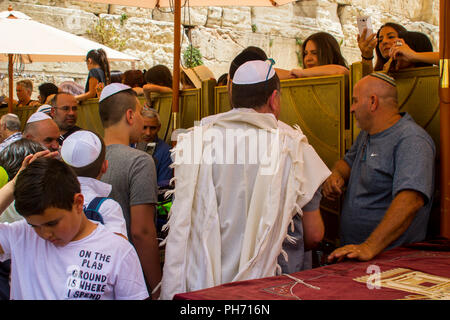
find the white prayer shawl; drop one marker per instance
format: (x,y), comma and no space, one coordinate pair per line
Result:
(194,258)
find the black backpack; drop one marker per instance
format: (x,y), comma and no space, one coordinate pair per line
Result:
(92,209)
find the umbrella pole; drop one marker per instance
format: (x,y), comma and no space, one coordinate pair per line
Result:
(11,84)
(176,63)
(444,95)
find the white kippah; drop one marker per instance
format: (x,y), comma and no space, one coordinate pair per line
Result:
(255,71)
(81,148)
(12,115)
(112,89)
(38,116)
(45,108)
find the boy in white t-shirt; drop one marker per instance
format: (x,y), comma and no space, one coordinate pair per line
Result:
(84,151)
(56,252)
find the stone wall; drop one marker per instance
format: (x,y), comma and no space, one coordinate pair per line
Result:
(219,32)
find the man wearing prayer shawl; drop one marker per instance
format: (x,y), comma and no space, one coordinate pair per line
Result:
(241,181)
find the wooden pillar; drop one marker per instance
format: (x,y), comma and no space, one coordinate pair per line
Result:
(176,63)
(11,82)
(444,95)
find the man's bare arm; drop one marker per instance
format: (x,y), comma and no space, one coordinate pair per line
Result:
(313,228)
(143,235)
(332,187)
(395,222)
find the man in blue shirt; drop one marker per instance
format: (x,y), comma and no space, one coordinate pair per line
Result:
(156,147)
(389,173)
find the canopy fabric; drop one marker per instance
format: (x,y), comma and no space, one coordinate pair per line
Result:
(38,42)
(194,3)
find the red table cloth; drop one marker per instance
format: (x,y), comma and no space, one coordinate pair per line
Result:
(401,273)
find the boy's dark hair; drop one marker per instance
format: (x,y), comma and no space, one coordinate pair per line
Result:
(92,170)
(254,95)
(113,108)
(116,76)
(47,89)
(328,49)
(12,156)
(248,54)
(45,183)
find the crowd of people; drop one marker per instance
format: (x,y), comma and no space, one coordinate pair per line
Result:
(79,210)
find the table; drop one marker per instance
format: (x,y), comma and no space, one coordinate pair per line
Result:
(405,273)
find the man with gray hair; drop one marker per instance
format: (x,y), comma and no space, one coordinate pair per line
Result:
(156,147)
(9,129)
(41,128)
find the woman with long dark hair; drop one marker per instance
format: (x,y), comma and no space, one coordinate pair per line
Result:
(381,42)
(388,42)
(321,57)
(98,66)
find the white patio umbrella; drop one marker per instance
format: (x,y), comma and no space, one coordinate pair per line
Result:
(37,42)
(176,5)
(194,3)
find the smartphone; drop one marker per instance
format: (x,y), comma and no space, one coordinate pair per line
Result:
(150,148)
(364,22)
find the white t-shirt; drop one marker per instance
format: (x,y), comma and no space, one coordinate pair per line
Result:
(110,209)
(100,266)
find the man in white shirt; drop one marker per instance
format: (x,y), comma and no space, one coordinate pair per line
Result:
(240,179)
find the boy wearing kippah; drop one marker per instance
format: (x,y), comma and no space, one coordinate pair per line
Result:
(56,252)
(84,152)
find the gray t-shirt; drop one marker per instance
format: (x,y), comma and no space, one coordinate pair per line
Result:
(132,175)
(298,258)
(398,158)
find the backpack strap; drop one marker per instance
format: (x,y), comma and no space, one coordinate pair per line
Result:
(92,210)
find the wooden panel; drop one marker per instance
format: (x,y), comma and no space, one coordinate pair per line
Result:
(190,107)
(317,105)
(418,95)
(221,100)
(88,116)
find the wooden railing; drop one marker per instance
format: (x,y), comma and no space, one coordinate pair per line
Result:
(319,105)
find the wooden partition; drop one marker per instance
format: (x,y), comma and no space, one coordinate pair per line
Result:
(88,117)
(319,105)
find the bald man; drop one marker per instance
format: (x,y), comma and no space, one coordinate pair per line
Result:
(45,132)
(389,174)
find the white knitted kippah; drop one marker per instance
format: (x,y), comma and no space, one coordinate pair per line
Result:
(81,148)
(255,71)
(38,116)
(112,89)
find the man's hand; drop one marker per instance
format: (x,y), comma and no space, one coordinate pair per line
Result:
(332,187)
(362,252)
